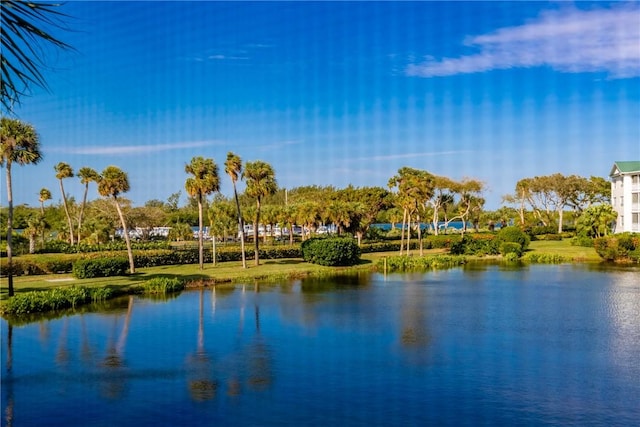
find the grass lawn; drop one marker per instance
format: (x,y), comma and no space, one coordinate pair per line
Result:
(268,269)
(564,248)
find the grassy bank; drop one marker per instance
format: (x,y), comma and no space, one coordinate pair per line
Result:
(232,271)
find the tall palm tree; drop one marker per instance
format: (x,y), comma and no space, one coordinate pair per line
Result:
(86,176)
(112,183)
(233,168)
(205,180)
(43,196)
(261,182)
(19,143)
(63,171)
(26,35)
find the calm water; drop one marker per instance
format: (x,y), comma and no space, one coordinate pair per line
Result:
(541,345)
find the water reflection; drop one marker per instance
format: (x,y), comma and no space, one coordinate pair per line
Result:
(202,385)
(537,345)
(114,383)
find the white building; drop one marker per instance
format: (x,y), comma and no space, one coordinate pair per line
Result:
(625,195)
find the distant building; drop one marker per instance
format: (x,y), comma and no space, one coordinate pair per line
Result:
(625,195)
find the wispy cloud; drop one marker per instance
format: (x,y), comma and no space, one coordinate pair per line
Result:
(276,145)
(410,155)
(570,41)
(138,149)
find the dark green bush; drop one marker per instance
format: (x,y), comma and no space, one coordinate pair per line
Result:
(510,248)
(54,299)
(100,267)
(333,251)
(515,235)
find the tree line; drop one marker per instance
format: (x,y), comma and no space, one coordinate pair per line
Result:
(412,196)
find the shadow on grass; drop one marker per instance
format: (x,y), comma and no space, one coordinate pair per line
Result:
(283,261)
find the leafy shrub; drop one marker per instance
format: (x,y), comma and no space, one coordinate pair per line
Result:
(511,257)
(584,241)
(333,251)
(510,248)
(100,267)
(619,247)
(515,235)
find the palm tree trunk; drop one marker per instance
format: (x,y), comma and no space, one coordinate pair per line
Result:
(9,231)
(255,233)
(404,219)
(200,242)
(408,232)
(84,202)
(240,226)
(420,236)
(132,267)
(66,211)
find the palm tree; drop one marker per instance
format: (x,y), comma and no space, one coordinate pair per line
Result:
(44,195)
(204,181)
(261,182)
(233,168)
(64,170)
(86,176)
(19,143)
(112,183)
(25,37)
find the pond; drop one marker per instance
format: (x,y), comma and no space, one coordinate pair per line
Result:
(484,344)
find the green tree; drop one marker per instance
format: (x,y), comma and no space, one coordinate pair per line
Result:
(43,196)
(596,221)
(233,168)
(86,176)
(63,171)
(261,182)
(113,182)
(205,180)
(20,144)
(26,37)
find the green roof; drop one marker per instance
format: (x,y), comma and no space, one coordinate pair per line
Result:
(625,167)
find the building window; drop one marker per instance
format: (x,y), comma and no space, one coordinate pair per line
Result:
(621,201)
(635,179)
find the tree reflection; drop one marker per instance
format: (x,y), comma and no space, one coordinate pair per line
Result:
(260,369)
(62,352)
(414,334)
(7,388)
(201,386)
(114,385)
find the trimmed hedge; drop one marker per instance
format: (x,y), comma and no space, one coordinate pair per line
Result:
(100,267)
(333,251)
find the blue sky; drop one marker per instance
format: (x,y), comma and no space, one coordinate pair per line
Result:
(339,93)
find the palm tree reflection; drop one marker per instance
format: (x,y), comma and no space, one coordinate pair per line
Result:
(114,385)
(201,386)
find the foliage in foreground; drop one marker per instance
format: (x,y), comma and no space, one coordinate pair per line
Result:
(411,263)
(54,299)
(331,252)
